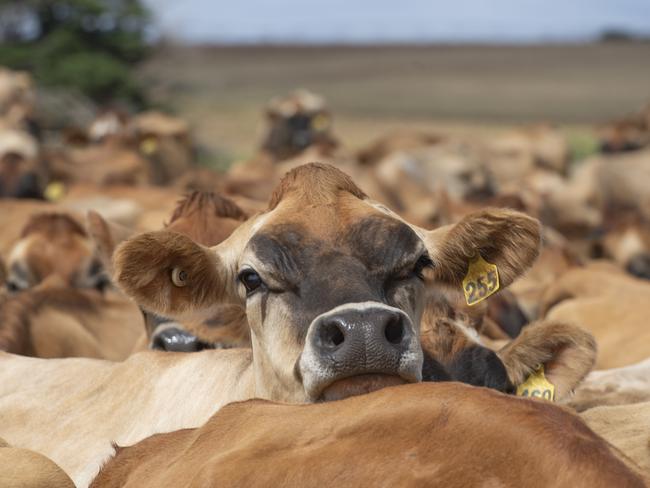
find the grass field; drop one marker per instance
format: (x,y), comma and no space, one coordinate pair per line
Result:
(370,90)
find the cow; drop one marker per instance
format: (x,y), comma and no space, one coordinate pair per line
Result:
(317,215)
(297,122)
(411,435)
(59,302)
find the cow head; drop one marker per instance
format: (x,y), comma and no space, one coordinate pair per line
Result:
(54,245)
(208,219)
(21,172)
(333,283)
(297,122)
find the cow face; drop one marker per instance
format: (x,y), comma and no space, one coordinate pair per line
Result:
(208,219)
(19,178)
(295,123)
(333,284)
(54,246)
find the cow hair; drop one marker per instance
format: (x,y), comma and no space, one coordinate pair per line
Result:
(201,201)
(567,351)
(507,238)
(143,267)
(53,224)
(315,184)
(17,311)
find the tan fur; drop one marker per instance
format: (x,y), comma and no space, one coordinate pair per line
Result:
(507,238)
(53,321)
(616,386)
(316,184)
(567,352)
(108,402)
(22,468)
(626,427)
(143,267)
(52,244)
(608,304)
(52,224)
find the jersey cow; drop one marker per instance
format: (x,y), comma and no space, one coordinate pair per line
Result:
(333,284)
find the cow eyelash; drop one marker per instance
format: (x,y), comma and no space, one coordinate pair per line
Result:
(421,264)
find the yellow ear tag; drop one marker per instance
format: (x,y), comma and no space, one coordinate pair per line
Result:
(55,191)
(481,280)
(149,146)
(320,122)
(537,386)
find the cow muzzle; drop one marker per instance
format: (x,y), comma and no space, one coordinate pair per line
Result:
(357,348)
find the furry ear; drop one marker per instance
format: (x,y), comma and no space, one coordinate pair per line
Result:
(106,235)
(169,274)
(567,352)
(509,239)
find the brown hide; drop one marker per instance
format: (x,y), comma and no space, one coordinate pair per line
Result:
(440,434)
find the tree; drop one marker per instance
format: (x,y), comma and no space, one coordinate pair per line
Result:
(90,45)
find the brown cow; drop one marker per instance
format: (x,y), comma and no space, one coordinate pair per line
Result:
(317,264)
(416,435)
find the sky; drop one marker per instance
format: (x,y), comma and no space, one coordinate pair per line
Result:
(368,21)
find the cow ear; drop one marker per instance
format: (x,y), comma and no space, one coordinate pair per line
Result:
(508,239)
(169,274)
(567,352)
(107,236)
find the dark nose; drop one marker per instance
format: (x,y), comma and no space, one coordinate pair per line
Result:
(372,339)
(174,339)
(639,266)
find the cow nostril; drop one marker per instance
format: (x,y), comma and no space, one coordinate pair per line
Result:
(394,331)
(332,335)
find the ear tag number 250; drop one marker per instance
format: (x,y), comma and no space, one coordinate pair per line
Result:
(481,281)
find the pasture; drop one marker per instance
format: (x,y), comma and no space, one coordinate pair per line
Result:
(372,90)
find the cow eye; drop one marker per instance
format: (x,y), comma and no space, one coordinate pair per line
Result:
(250,279)
(421,264)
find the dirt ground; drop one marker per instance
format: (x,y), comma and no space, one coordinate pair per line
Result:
(371,90)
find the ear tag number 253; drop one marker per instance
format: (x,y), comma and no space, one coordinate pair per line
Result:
(481,281)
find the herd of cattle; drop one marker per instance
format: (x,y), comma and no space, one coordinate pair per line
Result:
(291,323)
